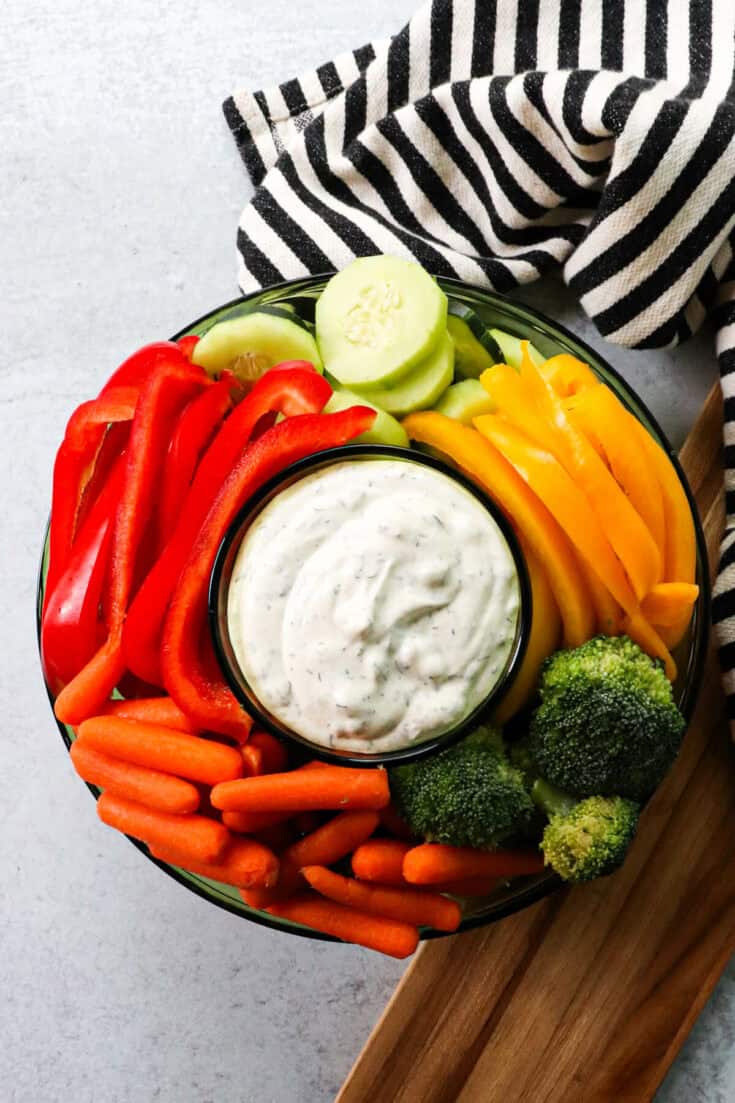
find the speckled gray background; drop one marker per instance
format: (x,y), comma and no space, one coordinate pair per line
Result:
(120,194)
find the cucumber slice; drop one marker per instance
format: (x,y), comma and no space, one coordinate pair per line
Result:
(470,358)
(251,344)
(474,349)
(510,347)
(385,429)
(464,401)
(378,319)
(422,388)
(280,310)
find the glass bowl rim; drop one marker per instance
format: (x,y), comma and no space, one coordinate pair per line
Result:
(524,315)
(218,618)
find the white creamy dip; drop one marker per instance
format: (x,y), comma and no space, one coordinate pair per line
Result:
(373,605)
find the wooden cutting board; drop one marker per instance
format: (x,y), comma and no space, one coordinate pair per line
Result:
(587,996)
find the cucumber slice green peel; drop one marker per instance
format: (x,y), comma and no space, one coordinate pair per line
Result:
(423,387)
(510,348)
(464,401)
(470,357)
(251,344)
(377,320)
(385,428)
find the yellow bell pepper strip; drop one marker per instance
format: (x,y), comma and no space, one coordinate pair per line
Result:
(622,524)
(516,400)
(666,635)
(567,375)
(608,613)
(668,602)
(534,380)
(602,418)
(641,632)
(544,638)
(530,517)
(680,554)
(564,500)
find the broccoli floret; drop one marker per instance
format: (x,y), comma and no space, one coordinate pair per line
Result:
(519,753)
(587,839)
(467,795)
(607,724)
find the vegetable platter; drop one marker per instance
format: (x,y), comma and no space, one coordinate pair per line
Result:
(151,476)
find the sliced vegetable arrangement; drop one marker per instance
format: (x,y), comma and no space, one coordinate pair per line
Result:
(149,478)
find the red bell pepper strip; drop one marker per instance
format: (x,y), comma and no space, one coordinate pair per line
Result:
(134,371)
(114,442)
(269,419)
(289,365)
(75,461)
(194,430)
(187,345)
(73,466)
(69,632)
(115,404)
(87,430)
(200,694)
(291,393)
(162,396)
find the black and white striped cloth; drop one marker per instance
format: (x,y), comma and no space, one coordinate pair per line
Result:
(493,140)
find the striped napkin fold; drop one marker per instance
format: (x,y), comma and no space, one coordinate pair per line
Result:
(493,140)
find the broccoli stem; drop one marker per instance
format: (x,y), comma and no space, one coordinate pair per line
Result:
(550,800)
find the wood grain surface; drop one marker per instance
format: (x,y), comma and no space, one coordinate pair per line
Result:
(587,996)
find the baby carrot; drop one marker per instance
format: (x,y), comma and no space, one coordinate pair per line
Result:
(409,905)
(380,860)
(387,936)
(333,840)
(434,863)
(333,787)
(249,823)
(90,688)
(253,760)
(258,898)
(263,754)
(162,748)
(138,783)
(277,837)
(200,839)
(154,710)
(245,863)
(273,752)
(327,844)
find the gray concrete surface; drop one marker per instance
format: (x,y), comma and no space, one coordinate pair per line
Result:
(120,195)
